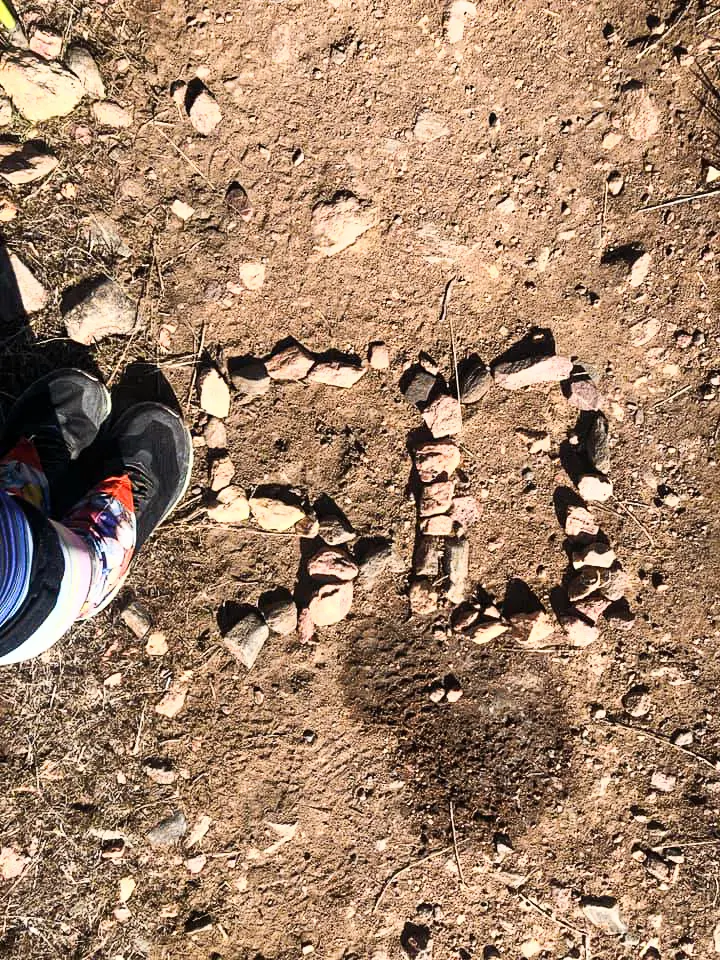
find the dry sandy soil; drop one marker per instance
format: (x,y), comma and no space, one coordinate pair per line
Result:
(327,768)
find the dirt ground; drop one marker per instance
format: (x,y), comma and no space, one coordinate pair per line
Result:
(327,768)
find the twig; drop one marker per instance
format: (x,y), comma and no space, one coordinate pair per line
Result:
(639,523)
(707,16)
(138,735)
(661,738)
(443,317)
(663,36)
(710,842)
(198,356)
(185,157)
(686,198)
(604,213)
(563,923)
(455,846)
(673,396)
(409,866)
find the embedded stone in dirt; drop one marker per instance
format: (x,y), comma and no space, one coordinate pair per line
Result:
(214,393)
(419,385)
(416,941)
(103,233)
(379,356)
(586,582)
(278,510)
(373,558)
(584,395)
(183,211)
(615,584)
(340,223)
(336,373)
(156,644)
(664,782)
(246,638)
(215,434)
(439,526)
(289,362)
(8,210)
(222,470)
(306,627)
(475,379)
(423,597)
(615,183)
(83,65)
(38,88)
(308,527)
(594,555)
(169,830)
(529,371)
(580,632)
(458,13)
(455,565)
(484,631)
(24,163)
(596,444)
(332,564)
(636,701)
(429,127)
(252,274)
(281,615)
(137,619)
(426,557)
(443,417)
(331,603)
(639,115)
(465,511)
(595,487)
(232,506)
(532,630)
(592,608)
(99,310)
(250,379)
(436,498)
(604,913)
(432,460)
(111,114)
(21,291)
(46,44)
(580,524)
(237,200)
(639,270)
(335,530)
(204,112)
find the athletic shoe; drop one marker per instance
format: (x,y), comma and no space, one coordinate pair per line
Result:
(152,445)
(62,414)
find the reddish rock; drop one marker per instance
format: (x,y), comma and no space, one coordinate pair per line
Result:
(432,460)
(465,511)
(439,526)
(581,525)
(331,603)
(443,416)
(584,395)
(335,373)
(305,626)
(426,557)
(592,607)
(515,374)
(436,498)
(292,362)
(532,630)
(332,564)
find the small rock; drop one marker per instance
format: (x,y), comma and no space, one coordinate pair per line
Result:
(423,597)
(416,941)
(46,44)
(17,283)
(639,115)
(438,526)
(25,163)
(604,913)
(214,393)
(418,386)
(196,864)
(111,114)
(222,471)
(594,555)
(443,417)
(156,644)
(104,309)
(250,379)
(475,379)
(661,869)
(308,527)
(174,699)
(81,62)
(137,619)
(335,530)
(39,90)
(611,139)
(636,701)
(455,564)
(204,112)
(580,632)
(639,270)
(515,374)
(232,505)
(379,356)
(281,615)
(126,889)
(433,460)
(246,638)
(373,562)
(291,362)
(238,202)
(586,582)
(615,584)
(437,692)
(532,630)
(306,627)
(160,771)
(459,12)
(215,434)
(453,690)
(615,183)
(580,524)
(276,511)
(426,557)
(333,564)
(712,175)
(664,782)
(595,487)
(465,511)
(331,603)
(8,210)
(596,444)
(682,738)
(592,608)
(336,373)
(168,831)
(340,223)
(183,211)
(584,395)
(102,232)
(252,274)
(429,127)
(12,864)
(436,498)
(530,948)
(486,630)
(505,207)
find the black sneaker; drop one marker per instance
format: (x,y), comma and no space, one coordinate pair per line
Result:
(62,414)
(152,445)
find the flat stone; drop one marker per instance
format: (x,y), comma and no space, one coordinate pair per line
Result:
(458,14)
(639,270)
(587,581)
(423,597)
(429,127)
(420,385)
(215,434)
(46,44)
(433,460)
(336,373)
(81,62)
(379,356)
(339,223)
(636,701)
(205,113)
(443,417)
(169,830)
(110,114)
(25,163)
(595,487)
(252,274)
(306,627)
(465,511)
(532,630)
(22,291)
(250,378)
(281,616)
(581,525)
(104,309)
(335,530)
(222,471)
(604,913)
(456,559)
(246,639)
(279,513)
(232,506)
(103,233)
(374,562)
(594,555)
(214,393)
(426,557)
(291,362)
(39,89)
(664,782)
(584,395)
(615,584)
(475,380)
(515,374)
(596,444)
(639,114)
(439,526)
(484,631)
(579,632)
(156,644)
(137,619)
(333,564)
(331,603)
(592,607)
(436,498)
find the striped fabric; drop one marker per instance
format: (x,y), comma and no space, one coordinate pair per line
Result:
(16,554)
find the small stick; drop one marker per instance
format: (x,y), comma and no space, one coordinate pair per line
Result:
(198,355)
(604,213)
(673,396)
(708,16)
(563,923)
(185,157)
(663,36)
(643,731)
(444,316)
(455,846)
(408,866)
(676,201)
(138,735)
(639,523)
